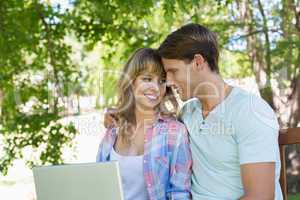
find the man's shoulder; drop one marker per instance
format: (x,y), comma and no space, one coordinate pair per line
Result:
(251,102)
(250,108)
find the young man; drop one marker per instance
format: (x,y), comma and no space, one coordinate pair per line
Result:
(233,134)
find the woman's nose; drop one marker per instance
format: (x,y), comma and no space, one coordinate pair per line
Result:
(154,86)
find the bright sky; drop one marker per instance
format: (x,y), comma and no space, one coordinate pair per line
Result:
(64,4)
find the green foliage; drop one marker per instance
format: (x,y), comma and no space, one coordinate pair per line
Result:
(121,30)
(234,65)
(35,70)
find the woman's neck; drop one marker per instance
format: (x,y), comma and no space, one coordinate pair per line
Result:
(145,117)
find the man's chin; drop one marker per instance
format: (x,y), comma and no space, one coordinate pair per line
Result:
(185,97)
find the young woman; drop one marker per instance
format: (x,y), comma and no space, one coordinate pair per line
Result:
(152,148)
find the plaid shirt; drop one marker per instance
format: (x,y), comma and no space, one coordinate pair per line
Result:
(167,159)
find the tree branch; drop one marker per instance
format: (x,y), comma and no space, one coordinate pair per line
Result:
(257,32)
(50,49)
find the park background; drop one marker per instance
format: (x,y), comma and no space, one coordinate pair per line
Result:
(60,60)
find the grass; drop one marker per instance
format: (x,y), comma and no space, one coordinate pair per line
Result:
(294,197)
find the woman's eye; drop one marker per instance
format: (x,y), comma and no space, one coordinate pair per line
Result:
(147,79)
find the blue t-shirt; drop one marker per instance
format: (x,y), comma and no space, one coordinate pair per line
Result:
(241,129)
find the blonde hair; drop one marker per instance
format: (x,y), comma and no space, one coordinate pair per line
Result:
(142,60)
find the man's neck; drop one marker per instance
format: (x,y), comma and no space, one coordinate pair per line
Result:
(213,93)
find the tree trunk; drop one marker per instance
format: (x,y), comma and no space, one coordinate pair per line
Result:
(295,105)
(255,50)
(266,91)
(78,103)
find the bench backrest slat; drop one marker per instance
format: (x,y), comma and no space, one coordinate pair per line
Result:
(286,137)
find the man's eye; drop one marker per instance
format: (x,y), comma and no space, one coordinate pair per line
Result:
(162,81)
(172,71)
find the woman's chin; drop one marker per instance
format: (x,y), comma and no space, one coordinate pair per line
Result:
(147,106)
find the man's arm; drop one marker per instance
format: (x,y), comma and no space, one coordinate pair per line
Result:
(257,139)
(258,181)
(110,118)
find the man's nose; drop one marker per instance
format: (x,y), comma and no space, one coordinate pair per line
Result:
(169,80)
(170,83)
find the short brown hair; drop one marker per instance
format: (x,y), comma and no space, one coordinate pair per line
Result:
(189,40)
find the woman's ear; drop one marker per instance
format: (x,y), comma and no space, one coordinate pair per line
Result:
(198,62)
(132,85)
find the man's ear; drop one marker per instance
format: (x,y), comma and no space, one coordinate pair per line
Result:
(198,62)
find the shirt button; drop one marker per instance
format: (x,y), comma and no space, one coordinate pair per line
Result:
(145,161)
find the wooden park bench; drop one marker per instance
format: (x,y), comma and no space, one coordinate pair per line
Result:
(286,137)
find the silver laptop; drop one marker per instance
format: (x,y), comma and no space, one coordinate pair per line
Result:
(92,181)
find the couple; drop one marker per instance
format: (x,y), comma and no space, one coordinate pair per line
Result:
(224,148)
